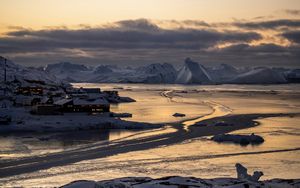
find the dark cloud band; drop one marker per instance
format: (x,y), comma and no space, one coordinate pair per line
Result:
(133,41)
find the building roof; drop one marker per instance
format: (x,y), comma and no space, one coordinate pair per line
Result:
(45,99)
(99,101)
(62,101)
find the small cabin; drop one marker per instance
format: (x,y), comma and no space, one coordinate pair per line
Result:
(30,90)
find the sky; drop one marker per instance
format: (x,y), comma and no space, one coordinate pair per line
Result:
(138,32)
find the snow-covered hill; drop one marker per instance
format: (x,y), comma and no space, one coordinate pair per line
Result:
(158,73)
(102,69)
(193,73)
(25,75)
(223,73)
(154,73)
(293,76)
(259,76)
(68,71)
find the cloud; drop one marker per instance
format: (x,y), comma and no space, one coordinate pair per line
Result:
(262,48)
(271,24)
(293,36)
(129,34)
(260,55)
(144,41)
(140,24)
(294,12)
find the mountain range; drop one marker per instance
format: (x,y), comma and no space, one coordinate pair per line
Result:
(190,72)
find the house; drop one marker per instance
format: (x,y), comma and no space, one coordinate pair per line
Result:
(22,100)
(91,90)
(64,102)
(30,90)
(91,105)
(111,93)
(84,105)
(47,109)
(2,92)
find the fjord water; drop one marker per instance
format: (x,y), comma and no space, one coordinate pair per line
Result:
(197,157)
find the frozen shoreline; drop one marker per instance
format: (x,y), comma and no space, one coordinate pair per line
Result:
(243,179)
(26,122)
(31,164)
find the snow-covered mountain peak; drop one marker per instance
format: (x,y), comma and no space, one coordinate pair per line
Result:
(192,72)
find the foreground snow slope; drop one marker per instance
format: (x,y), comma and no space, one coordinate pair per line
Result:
(244,179)
(177,181)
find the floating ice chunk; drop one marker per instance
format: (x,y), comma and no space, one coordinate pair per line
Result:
(122,115)
(239,139)
(178,115)
(243,174)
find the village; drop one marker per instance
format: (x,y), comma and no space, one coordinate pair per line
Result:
(37,98)
(53,100)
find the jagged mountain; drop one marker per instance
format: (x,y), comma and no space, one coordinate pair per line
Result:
(158,73)
(193,73)
(69,71)
(190,73)
(154,73)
